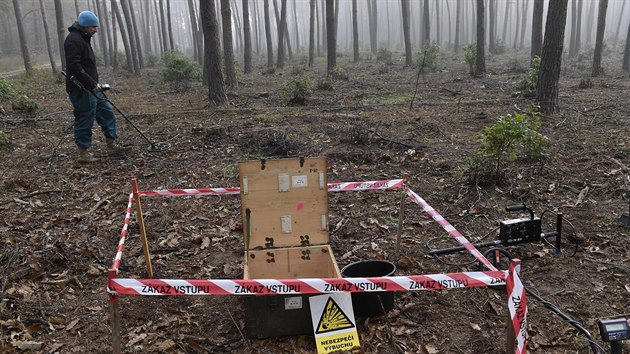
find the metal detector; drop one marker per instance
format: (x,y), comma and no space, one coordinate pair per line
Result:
(105,87)
(515,231)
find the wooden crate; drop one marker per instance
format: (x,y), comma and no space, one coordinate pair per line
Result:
(285,224)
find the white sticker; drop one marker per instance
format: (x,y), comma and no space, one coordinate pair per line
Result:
(293,303)
(285,222)
(283,182)
(300,181)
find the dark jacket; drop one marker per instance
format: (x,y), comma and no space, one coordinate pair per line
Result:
(80,60)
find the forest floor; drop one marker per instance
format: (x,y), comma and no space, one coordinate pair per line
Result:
(61,221)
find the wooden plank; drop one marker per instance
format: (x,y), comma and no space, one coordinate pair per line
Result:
(114,316)
(287,200)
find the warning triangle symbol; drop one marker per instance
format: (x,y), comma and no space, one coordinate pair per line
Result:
(333,318)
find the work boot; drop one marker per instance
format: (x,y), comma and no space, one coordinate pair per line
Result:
(85,156)
(113,148)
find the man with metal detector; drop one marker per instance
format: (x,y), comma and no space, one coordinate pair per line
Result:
(84,91)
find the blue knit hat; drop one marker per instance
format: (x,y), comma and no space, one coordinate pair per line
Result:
(87,19)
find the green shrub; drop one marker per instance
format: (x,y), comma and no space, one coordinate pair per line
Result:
(512,136)
(529,83)
(338,73)
(326,83)
(296,91)
(470,56)
(180,70)
(4,139)
(6,89)
(152,60)
(384,55)
(24,104)
(429,56)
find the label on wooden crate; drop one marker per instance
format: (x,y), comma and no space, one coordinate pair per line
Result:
(333,322)
(300,181)
(293,303)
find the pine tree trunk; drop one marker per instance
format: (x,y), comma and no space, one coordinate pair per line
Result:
(51,57)
(599,38)
(311,35)
(372,10)
(136,33)
(169,17)
(331,35)
(537,28)
(163,24)
(108,32)
(523,24)
(550,62)
(355,33)
(132,39)
(247,38)
(578,27)
(518,24)
(426,31)
(268,36)
(480,68)
(573,29)
(60,32)
(506,16)
(228,49)
(281,31)
(217,93)
(101,15)
(492,49)
(438,32)
(125,37)
(297,28)
(404,6)
(625,64)
(194,29)
(114,40)
(26,55)
(458,17)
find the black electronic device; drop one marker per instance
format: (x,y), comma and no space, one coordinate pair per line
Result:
(516,231)
(614,330)
(522,230)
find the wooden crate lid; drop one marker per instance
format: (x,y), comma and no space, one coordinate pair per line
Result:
(284,202)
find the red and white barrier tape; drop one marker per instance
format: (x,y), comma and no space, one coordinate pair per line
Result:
(450,229)
(517,304)
(190,191)
(152,287)
(332,187)
(369,185)
(123,235)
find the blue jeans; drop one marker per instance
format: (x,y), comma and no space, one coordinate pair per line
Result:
(86,109)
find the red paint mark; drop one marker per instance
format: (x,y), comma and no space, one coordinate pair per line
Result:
(300,206)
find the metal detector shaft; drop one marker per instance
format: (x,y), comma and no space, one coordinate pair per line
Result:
(498,242)
(128,120)
(462,248)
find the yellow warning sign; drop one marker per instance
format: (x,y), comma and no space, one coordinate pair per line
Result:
(333,322)
(333,318)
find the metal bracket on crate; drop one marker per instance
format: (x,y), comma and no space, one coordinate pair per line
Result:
(304,241)
(306,254)
(271,257)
